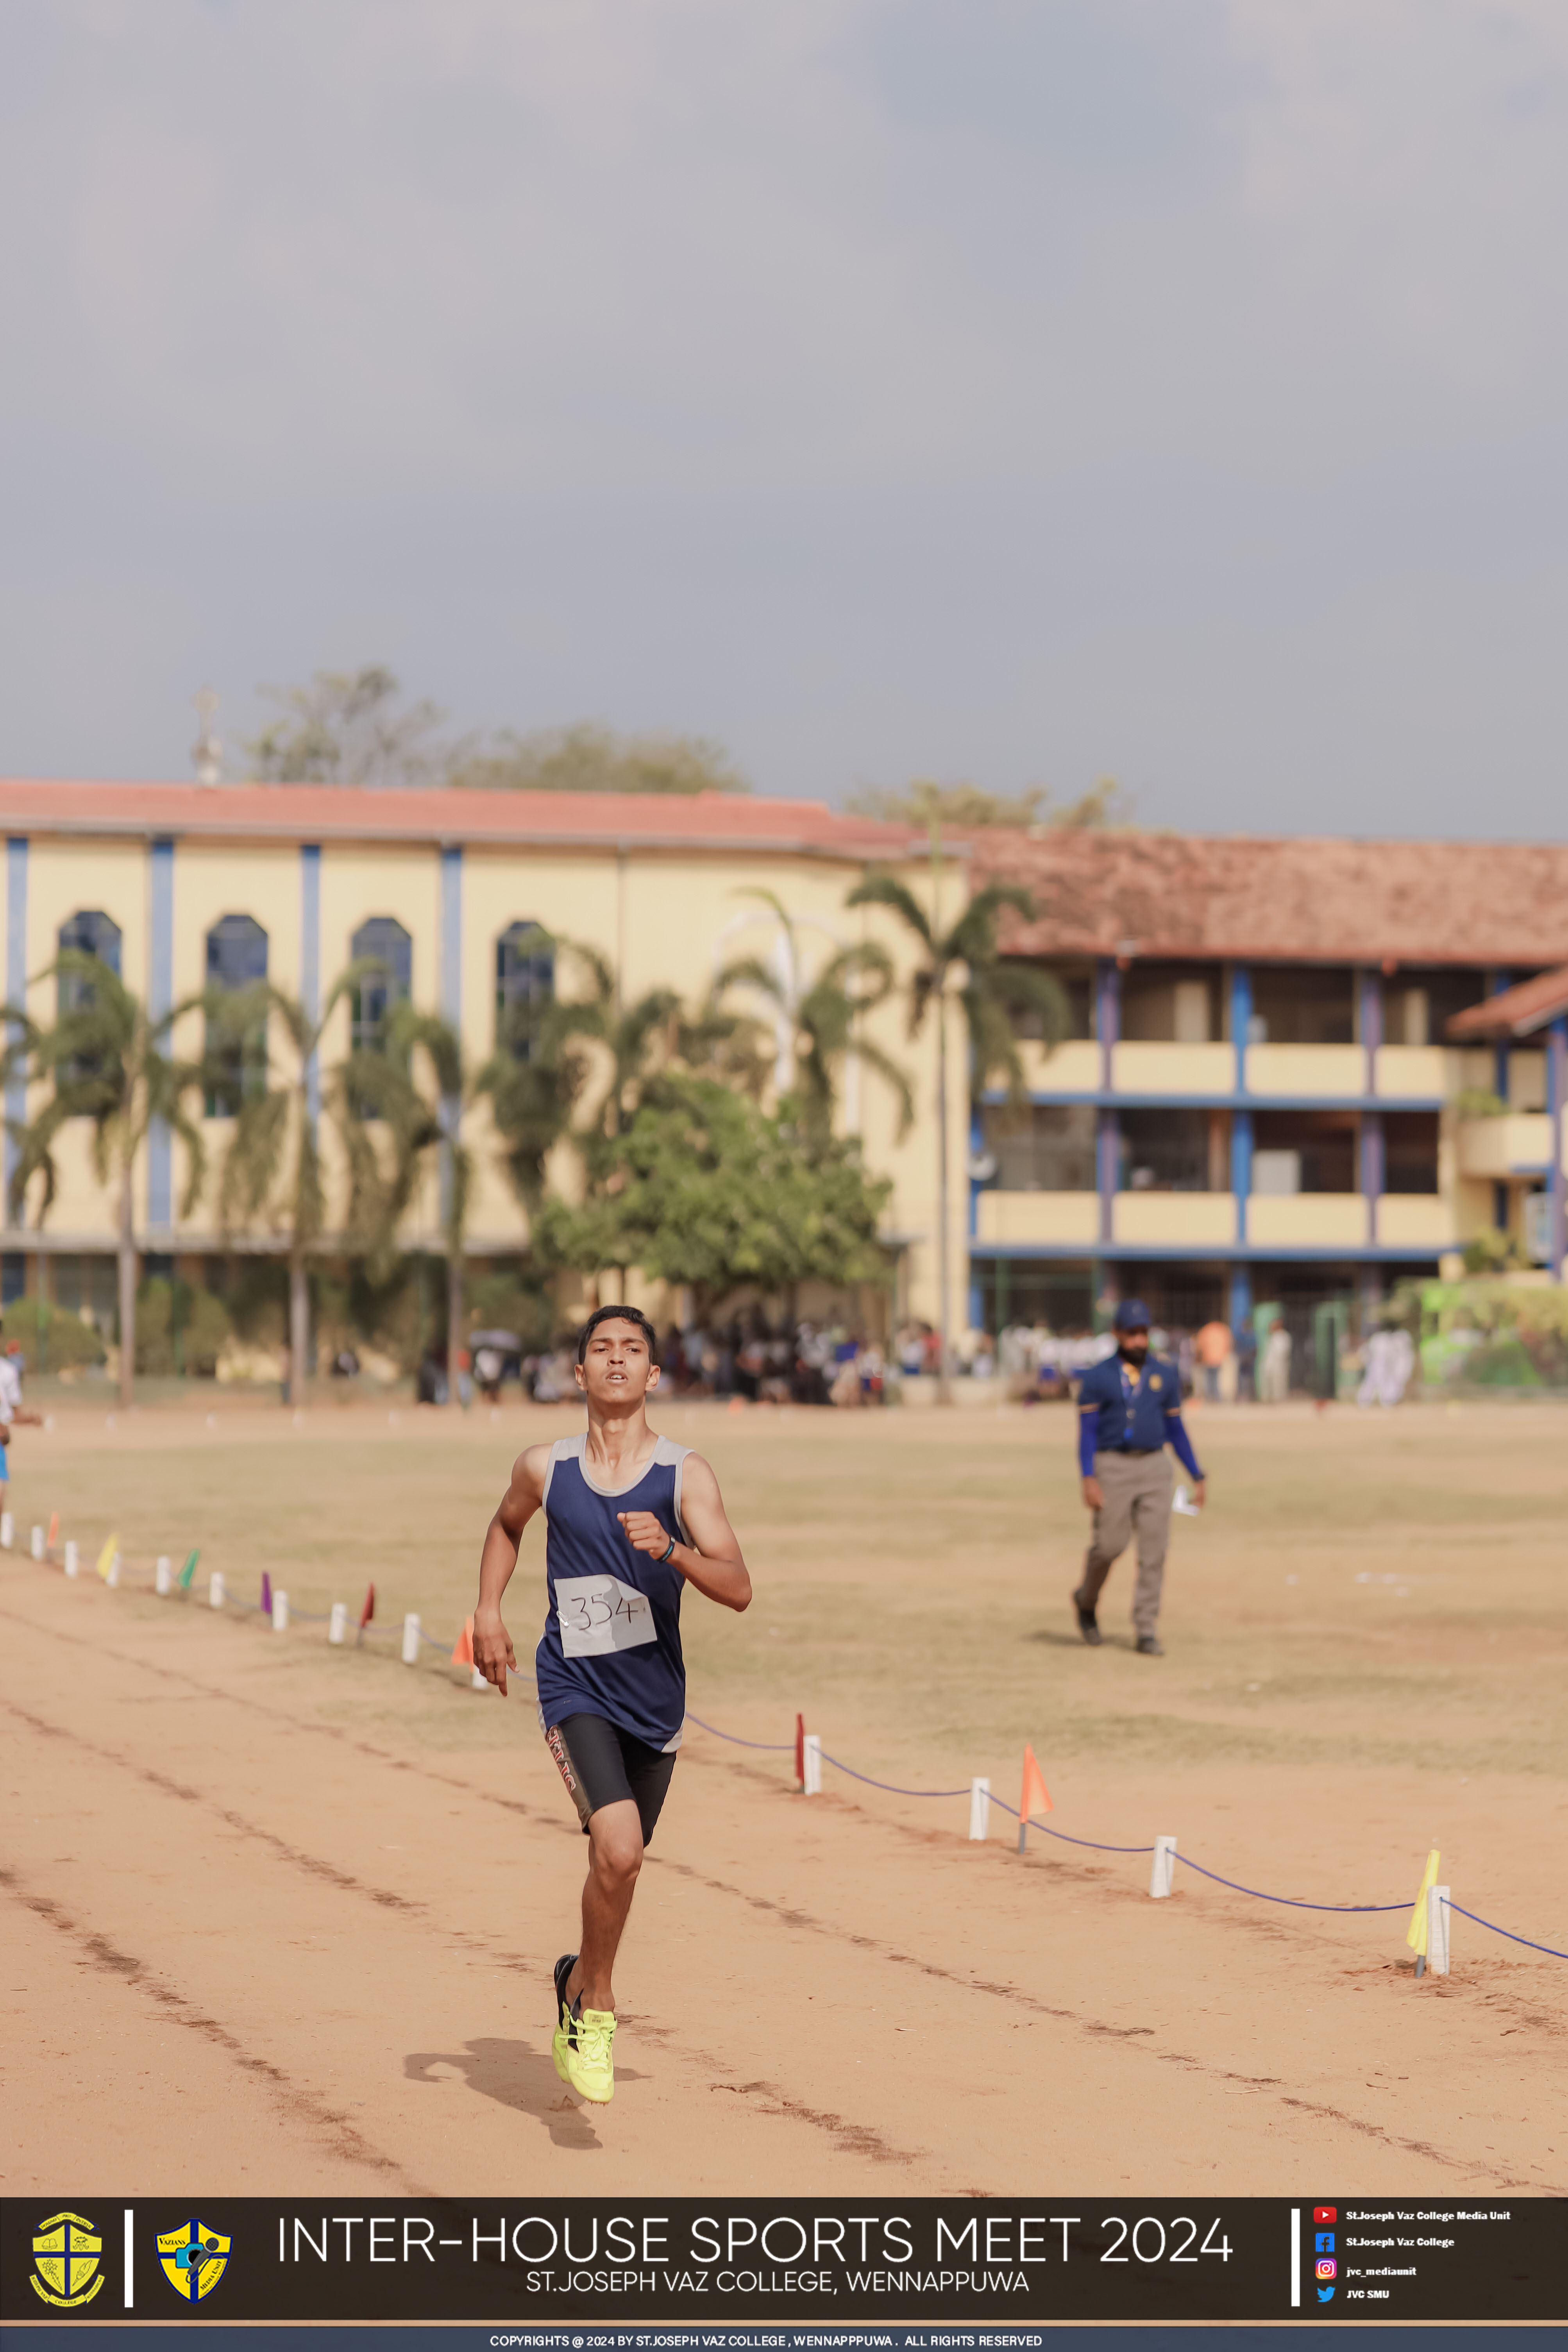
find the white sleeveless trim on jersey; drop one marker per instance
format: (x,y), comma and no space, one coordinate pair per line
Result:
(666,1455)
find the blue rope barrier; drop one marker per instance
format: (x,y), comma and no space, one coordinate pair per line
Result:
(1294,1901)
(1492,1925)
(888,1785)
(770,1747)
(1093,1843)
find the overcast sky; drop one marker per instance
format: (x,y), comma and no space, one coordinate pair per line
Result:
(1025,391)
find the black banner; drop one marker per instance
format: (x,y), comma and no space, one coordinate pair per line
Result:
(553,2275)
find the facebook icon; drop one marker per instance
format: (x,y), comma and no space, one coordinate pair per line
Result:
(1325,2242)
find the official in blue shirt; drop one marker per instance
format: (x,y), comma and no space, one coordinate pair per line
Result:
(1130,1409)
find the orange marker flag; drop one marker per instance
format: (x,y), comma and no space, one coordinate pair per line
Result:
(54,1530)
(463,1648)
(1036,1797)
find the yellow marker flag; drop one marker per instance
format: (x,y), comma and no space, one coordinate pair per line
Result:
(106,1557)
(1416,1933)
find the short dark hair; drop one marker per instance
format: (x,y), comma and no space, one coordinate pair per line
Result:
(633,1314)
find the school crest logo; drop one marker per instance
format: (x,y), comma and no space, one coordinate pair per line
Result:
(66,2249)
(1155,1381)
(193,2260)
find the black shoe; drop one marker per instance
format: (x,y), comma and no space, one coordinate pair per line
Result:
(1087,1625)
(1148,1647)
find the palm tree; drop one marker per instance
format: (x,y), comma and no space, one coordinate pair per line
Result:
(965,962)
(107,1059)
(456,1090)
(820,1018)
(272,1167)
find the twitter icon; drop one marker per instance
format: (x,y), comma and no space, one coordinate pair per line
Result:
(1325,2294)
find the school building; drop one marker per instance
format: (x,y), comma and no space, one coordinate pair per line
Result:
(1298,1068)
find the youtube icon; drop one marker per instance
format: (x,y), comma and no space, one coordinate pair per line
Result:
(1325,2212)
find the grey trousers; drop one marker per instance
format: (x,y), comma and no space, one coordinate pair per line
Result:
(1137,1490)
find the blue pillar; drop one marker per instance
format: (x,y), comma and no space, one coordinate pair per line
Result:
(1108,1140)
(1373,1167)
(1495,983)
(1371,991)
(1241,1167)
(1556,1103)
(311,964)
(159,1000)
(1240,1296)
(976,1152)
(16,988)
(1240,1019)
(451,1001)
(1499,1205)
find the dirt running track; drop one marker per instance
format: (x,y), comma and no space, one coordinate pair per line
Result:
(253,1949)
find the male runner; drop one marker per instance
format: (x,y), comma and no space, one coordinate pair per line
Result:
(1130,1409)
(630,1519)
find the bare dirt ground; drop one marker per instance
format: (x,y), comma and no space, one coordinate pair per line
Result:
(280,1917)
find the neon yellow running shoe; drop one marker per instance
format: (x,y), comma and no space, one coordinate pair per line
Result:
(565,2022)
(590,2055)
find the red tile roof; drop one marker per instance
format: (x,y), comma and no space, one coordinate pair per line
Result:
(1516,1011)
(328,813)
(1503,904)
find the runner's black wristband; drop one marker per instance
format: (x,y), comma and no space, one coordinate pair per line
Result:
(666,1555)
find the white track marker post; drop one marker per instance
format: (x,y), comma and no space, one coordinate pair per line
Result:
(163,1576)
(478,1681)
(7,1531)
(37,1543)
(1438,1931)
(979,1812)
(113,1578)
(1163,1874)
(73,1559)
(280,1612)
(215,1590)
(337,1631)
(411,1639)
(813,1761)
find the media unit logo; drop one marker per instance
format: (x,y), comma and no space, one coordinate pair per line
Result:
(193,2259)
(66,2249)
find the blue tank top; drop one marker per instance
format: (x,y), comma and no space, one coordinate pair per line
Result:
(611,1645)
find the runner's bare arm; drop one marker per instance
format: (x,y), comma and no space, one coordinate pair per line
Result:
(493,1652)
(714,1563)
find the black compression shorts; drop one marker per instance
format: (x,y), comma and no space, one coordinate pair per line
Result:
(603,1765)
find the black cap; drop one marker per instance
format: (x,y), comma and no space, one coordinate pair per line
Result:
(1130,1315)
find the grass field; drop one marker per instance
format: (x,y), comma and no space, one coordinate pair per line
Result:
(331,1888)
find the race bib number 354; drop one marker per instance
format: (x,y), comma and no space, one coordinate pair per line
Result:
(599,1613)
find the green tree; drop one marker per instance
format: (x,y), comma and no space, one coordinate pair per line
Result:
(427,1044)
(963,962)
(960,808)
(587,759)
(345,728)
(822,1017)
(271,1172)
(707,1189)
(108,1060)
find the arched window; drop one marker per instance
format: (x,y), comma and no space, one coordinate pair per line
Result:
(92,933)
(89,932)
(383,940)
(237,960)
(525,984)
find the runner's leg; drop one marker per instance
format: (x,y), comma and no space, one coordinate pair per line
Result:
(615,1858)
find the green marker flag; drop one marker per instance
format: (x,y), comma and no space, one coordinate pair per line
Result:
(188,1571)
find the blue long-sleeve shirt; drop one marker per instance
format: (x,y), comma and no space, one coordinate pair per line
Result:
(1121,1412)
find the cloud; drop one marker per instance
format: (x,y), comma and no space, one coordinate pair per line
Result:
(1016,388)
